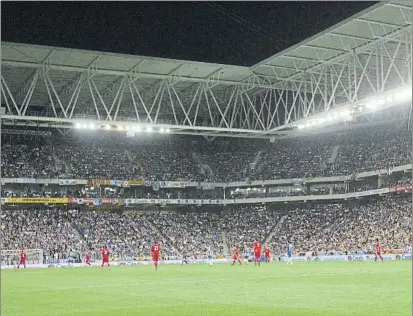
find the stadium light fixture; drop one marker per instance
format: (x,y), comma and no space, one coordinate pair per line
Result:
(371,105)
(168,130)
(78,125)
(107,127)
(389,98)
(148,129)
(162,130)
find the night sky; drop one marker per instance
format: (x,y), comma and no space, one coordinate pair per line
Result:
(238,33)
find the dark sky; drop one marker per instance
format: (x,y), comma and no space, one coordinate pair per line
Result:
(239,33)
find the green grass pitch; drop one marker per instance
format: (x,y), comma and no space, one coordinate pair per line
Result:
(322,289)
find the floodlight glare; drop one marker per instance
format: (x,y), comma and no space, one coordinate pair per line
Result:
(137,128)
(84,125)
(78,125)
(389,98)
(380,102)
(92,126)
(120,127)
(149,129)
(345,113)
(107,126)
(404,94)
(300,126)
(162,130)
(168,130)
(372,105)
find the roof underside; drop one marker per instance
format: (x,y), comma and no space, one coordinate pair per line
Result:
(105,73)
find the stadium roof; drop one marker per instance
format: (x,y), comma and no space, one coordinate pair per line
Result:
(51,86)
(337,42)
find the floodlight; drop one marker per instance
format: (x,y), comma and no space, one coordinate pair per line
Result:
(149,129)
(162,130)
(84,125)
(371,105)
(137,128)
(107,126)
(389,98)
(92,126)
(168,130)
(345,113)
(300,126)
(78,125)
(120,127)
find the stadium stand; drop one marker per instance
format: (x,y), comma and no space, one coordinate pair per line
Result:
(220,161)
(320,227)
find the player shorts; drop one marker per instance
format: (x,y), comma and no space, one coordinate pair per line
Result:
(267,257)
(155,258)
(257,255)
(234,257)
(378,253)
(22,261)
(105,260)
(209,257)
(289,255)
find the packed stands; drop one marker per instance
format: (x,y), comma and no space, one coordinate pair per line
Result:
(319,227)
(338,227)
(177,158)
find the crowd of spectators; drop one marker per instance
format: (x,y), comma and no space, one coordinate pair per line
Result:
(326,228)
(47,229)
(246,224)
(320,227)
(192,232)
(176,158)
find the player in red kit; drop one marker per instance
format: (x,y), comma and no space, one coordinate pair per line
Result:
(378,251)
(105,257)
(87,258)
(267,254)
(22,261)
(257,253)
(235,256)
(155,254)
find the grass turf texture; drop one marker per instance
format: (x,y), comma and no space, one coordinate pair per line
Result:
(333,288)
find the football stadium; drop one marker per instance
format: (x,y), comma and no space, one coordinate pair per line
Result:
(135,185)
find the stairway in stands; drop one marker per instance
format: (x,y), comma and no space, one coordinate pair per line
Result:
(78,233)
(225,244)
(334,154)
(275,229)
(168,240)
(250,168)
